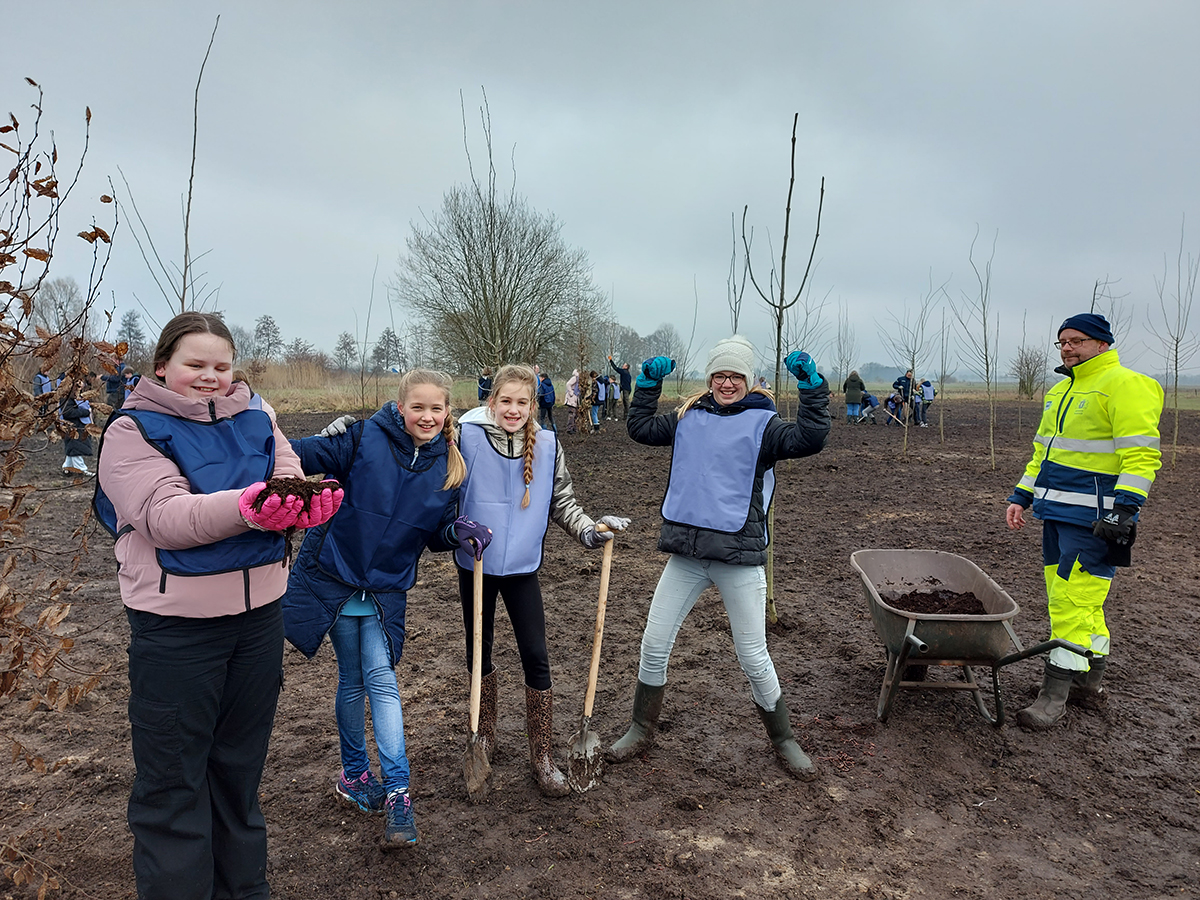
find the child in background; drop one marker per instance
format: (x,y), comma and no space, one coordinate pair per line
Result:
(517,480)
(400,470)
(77,411)
(201,572)
(571,401)
(595,398)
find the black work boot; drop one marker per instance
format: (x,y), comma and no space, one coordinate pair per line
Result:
(487,712)
(779,726)
(647,706)
(1086,687)
(539,721)
(1051,702)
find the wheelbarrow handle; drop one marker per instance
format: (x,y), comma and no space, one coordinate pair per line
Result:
(1043,647)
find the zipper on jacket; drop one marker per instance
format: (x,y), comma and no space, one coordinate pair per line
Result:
(212,410)
(245,580)
(511,452)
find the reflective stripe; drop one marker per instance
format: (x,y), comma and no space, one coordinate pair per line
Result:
(1134,482)
(1026,482)
(1071,498)
(1079,445)
(1136,440)
(1042,439)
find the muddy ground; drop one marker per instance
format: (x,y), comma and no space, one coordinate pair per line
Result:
(935,803)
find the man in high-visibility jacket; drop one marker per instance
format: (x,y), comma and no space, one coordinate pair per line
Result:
(1094,458)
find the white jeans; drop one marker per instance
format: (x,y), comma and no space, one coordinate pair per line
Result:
(744,592)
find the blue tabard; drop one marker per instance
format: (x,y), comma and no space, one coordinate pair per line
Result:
(387,516)
(711,484)
(492,494)
(222,455)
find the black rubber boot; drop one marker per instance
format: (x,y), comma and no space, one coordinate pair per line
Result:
(1051,702)
(1086,687)
(779,726)
(647,706)
(539,720)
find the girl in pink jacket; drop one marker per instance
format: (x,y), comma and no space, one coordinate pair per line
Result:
(201,572)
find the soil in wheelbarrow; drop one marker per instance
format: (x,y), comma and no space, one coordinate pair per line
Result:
(935,804)
(938,602)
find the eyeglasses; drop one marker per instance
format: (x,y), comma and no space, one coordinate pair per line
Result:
(1072,342)
(728,379)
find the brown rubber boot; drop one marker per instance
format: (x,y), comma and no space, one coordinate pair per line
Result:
(1051,702)
(779,726)
(647,706)
(539,720)
(1086,687)
(487,712)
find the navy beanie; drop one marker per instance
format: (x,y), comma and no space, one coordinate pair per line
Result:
(1091,324)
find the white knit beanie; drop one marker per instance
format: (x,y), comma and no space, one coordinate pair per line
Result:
(733,354)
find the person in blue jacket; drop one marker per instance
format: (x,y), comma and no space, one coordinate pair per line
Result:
(400,471)
(626,383)
(726,440)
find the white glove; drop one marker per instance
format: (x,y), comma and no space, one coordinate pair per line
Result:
(337,426)
(594,540)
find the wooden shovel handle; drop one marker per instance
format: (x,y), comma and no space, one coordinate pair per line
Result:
(477,646)
(594,673)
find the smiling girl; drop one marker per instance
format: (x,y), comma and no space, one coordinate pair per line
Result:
(201,573)
(401,473)
(517,481)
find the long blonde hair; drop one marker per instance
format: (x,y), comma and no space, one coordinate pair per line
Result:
(690,400)
(456,466)
(525,376)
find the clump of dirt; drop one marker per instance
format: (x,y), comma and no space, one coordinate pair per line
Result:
(937,603)
(293,487)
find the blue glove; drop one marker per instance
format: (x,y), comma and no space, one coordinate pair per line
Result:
(654,370)
(804,368)
(471,536)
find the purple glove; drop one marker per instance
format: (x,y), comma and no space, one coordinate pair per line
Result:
(471,536)
(277,513)
(321,508)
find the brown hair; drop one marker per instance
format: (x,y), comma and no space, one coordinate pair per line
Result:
(180,327)
(456,466)
(523,375)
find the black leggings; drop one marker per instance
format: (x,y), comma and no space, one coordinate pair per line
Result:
(523,599)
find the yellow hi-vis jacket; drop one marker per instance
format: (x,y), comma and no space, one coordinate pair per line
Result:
(1097,443)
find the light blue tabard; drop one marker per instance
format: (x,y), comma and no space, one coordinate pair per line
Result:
(712,470)
(491,495)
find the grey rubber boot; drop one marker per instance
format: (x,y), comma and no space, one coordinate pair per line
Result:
(1051,702)
(539,720)
(779,726)
(1086,687)
(647,706)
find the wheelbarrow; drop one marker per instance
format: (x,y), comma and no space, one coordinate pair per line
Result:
(926,639)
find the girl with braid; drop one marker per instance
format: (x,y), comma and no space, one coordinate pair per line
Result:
(517,480)
(401,473)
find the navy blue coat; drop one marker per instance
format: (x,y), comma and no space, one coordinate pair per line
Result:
(393,508)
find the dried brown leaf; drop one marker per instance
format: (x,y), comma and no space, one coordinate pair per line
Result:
(88,114)
(88,236)
(37,253)
(102,234)
(5,129)
(104,198)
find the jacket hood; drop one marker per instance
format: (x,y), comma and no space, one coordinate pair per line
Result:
(154,396)
(389,419)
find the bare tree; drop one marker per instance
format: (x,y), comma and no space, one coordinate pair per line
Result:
(345,351)
(778,301)
(735,291)
(1029,366)
(979,333)
(943,377)
(491,277)
(1111,305)
(845,342)
(181,287)
(268,339)
(909,340)
(1175,306)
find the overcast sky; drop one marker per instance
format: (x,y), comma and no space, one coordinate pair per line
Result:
(1066,131)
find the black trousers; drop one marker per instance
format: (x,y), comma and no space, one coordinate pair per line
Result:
(201,706)
(523,599)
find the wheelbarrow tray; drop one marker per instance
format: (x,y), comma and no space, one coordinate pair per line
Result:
(980,638)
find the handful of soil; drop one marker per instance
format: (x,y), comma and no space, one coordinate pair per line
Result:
(292,487)
(937,603)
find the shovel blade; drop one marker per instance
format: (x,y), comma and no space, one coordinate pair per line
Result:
(585,761)
(477,771)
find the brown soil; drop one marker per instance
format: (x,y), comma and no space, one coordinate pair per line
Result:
(293,487)
(936,603)
(934,804)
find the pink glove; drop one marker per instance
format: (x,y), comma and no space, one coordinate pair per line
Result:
(321,508)
(277,513)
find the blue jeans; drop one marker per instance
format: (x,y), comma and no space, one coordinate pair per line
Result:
(853,409)
(595,416)
(744,593)
(364,670)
